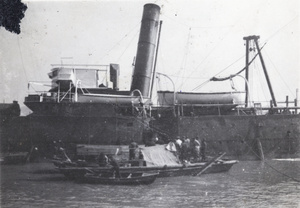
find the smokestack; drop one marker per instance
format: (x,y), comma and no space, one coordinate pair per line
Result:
(141,78)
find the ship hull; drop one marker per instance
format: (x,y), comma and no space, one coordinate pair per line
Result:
(248,137)
(241,137)
(43,132)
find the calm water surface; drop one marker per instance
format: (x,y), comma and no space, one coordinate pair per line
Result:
(247,184)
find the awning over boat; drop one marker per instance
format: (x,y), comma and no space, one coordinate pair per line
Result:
(159,156)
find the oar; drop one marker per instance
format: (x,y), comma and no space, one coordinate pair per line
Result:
(29,154)
(210,163)
(90,171)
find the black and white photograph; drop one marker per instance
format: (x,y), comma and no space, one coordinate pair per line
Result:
(149,103)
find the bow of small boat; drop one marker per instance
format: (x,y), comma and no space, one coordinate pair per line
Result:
(221,166)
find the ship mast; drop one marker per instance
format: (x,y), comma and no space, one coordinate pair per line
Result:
(255,38)
(247,71)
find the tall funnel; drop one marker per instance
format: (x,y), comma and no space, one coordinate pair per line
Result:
(141,78)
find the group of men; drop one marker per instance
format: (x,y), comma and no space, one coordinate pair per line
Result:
(190,149)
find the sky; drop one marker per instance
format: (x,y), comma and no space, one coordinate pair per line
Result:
(199,40)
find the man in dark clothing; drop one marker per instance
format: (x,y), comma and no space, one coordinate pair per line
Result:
(102,160)
(115,167)
(203,149)
(184,150)
(149,137)
(132,150)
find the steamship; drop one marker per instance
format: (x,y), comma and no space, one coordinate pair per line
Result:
(97,112)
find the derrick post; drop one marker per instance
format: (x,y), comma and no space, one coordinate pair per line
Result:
(265,70)
(255,38)
(247,71)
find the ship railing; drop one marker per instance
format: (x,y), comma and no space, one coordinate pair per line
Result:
(268,110)
(236,109)
(41,96)
(34,88)
(46,96)
(64,94)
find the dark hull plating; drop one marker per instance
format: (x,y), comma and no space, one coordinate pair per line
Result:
(241,137)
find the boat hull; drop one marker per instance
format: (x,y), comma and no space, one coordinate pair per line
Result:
(164,171)
(219,166)
(144,179)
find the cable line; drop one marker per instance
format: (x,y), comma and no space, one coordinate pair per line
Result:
(254,152)
(22,60)
(127,46)
(277,31)
(118,43)
(280,75)
(231,76)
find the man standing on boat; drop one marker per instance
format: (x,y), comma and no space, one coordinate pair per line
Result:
(115,166)
(178,144)
(102,160)
(184,149)
(195,147)
(132,150)
(203,149)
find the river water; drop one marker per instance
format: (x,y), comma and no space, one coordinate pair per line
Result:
(248,184)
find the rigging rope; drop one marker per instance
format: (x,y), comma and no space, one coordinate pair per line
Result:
(185,57)
(231,76)
(294,179)
(196,88)
(119,41)
(127,46)
(279,74)
(22,61)
(271,36)
(153,128)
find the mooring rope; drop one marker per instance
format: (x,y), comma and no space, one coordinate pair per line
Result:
(284,174)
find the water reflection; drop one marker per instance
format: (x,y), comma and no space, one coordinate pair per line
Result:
(247,184)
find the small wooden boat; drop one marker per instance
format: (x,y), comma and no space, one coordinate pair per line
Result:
(181,171)
(221,166)
(218,166)
(73,173)
(143,179)
(211,166)
(78,173)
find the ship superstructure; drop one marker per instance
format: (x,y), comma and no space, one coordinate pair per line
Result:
(76,87)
